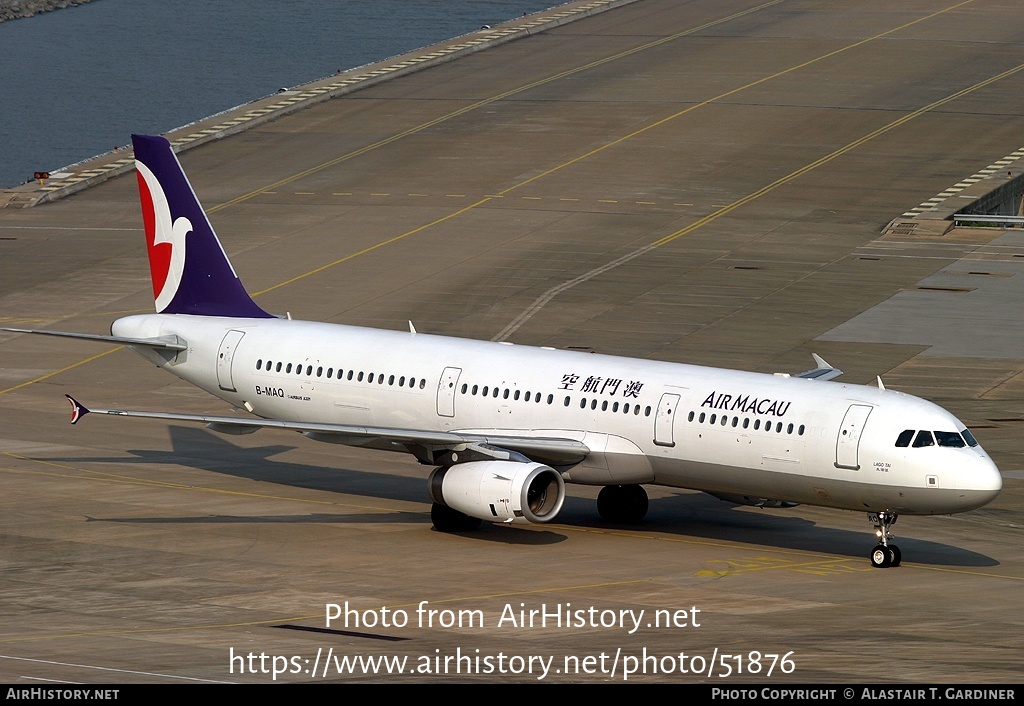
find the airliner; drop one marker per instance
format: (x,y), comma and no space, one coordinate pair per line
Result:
(506,426)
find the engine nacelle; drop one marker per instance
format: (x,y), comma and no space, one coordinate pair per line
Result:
(500,491)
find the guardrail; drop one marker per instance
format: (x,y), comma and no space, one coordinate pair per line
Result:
(979,218)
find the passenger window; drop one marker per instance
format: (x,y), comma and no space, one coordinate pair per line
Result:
(924,438)
(904,438)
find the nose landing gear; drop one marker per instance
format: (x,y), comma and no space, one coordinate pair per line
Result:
(885,554)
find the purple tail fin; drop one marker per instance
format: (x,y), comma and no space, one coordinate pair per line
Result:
(191,272)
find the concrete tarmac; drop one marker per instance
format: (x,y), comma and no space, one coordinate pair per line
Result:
(702,182)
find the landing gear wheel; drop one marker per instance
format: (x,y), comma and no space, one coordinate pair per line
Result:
(880,557)
(885,554)
(446,519)
(622,504)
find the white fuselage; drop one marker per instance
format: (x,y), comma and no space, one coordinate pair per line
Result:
(722,431)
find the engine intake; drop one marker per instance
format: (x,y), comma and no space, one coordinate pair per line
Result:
(500,491)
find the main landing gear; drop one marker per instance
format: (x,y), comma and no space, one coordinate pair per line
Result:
(622,504)
(884,555)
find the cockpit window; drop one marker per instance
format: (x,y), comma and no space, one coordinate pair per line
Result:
(924,438)
(950,438)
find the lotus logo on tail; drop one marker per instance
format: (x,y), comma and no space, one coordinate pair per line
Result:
(164,237)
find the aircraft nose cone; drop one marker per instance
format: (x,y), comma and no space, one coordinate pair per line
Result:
(985,482)
(993,480)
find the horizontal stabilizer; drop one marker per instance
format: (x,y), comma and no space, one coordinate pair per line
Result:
(171,343)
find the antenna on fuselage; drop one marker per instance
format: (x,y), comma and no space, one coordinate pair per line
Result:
(880,385)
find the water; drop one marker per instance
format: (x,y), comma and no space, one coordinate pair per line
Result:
(78,81)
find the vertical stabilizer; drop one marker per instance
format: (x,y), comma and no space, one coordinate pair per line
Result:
(191,273)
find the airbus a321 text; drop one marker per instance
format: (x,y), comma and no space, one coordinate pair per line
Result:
(507,426)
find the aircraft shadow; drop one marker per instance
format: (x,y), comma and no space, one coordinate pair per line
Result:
(203,450)
(699,515)
(689,514)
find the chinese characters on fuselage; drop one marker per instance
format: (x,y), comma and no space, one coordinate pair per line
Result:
(597,385)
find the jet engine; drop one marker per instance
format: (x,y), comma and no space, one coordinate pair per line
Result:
(500,491)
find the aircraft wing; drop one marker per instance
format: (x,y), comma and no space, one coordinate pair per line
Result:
(423,444)
(824,371)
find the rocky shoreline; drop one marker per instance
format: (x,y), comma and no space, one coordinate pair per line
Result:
(16,9)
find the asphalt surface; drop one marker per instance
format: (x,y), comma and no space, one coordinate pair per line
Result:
(703,182)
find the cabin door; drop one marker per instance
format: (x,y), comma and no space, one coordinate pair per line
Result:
(848,440)
(663,423)
(224,357)
(446,387)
